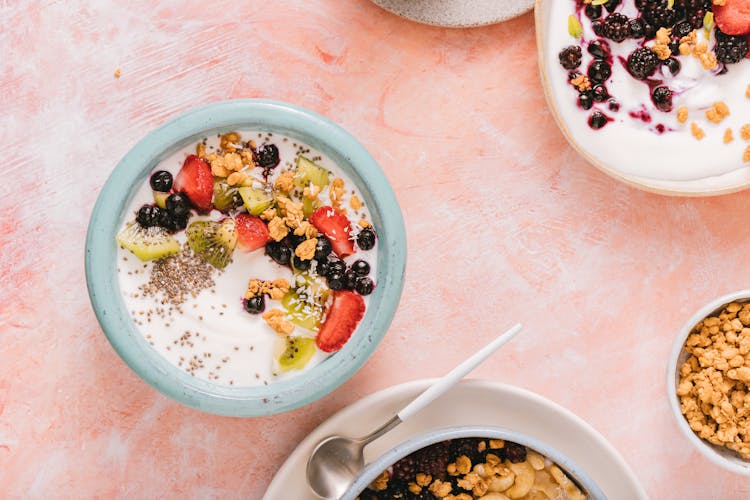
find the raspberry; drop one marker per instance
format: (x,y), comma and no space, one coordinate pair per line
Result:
(570,57)
(642,63)
(468,447)
(730,49)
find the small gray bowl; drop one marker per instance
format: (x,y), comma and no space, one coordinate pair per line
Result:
(373,469)
(719,455)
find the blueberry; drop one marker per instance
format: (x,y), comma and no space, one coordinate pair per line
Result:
(336,266)
(178,205)
(161,181)
(674,48)
(268,156)
(599,71)
(350,279)
(292,240)
(335,281)
(636,28)
(363,285)
(593,11)
(279,252)
(662,98)
(611,5)
(673,65)
(366,238)
(255,305)
(586,100)
(360,267)
(597,120)
(599,49)
(683,28)
(300,265)
(323,248)
(149,216)
(321,267)
(600,93)
(614,105)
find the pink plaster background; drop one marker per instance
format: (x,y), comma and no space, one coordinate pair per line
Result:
(602,275)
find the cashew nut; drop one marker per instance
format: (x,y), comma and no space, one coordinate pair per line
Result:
(524,479)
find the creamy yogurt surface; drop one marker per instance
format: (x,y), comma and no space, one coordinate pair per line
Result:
(210,335)
(640,140)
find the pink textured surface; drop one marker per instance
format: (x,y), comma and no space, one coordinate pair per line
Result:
(601,274)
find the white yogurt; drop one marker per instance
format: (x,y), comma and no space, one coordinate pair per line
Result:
(229,345)
(628,144)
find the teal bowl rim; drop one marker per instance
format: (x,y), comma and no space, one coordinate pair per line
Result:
(266,115)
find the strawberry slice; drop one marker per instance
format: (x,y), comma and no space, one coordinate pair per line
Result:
(252,232)
(734,17)
(335,226)
(196,182)
(342,318)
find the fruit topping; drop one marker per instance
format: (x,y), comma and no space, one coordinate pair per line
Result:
(366,238)
(662,97)
(309,172)
(364,285)
(642,63)
(730,49)
(599,71)
(586,100)
(196,182)
(214,241)
(279,252)
(305,303)
(335,226)
(226,197)
(149,216)
(597,120)
(322,248)
(147,243)
(177,205)
(256,201)
(658,13)
(255,305)
(599,49)
(160,199)
(361,267)
(161,181)
(252,232)
(295,353)
(268,156)
(300,264)
(570,57)
(733,18)
(342,318)
(615,27)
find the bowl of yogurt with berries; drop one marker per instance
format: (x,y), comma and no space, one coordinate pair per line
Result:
(246,257)
(653,92)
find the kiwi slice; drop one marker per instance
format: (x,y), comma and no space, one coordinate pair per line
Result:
(297,351)
(309,206)
(305,302)
(226,197)
(161,199)
(148,243)
(214,241)
(256,201)
(309,171)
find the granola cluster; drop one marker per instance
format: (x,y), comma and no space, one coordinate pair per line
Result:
(714,380)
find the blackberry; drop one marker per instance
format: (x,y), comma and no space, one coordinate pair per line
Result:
(468,447)
(322,248)
(658,13)
(599,71)
(662,98)
(516,453)
(364,285)
(397,489)
(696,18)
(255,305)
(597,120)
(642,63)
(636,28)
(149,216)
(268,156)
(599,49)
(616,27)
(432,460)
(730,49)
(593,11)
(366,238)
(599,93)
(683,28)
(586,100)
(570,57)
(161,181)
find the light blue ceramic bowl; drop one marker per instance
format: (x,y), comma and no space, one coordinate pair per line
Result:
(133,170)
(373,469)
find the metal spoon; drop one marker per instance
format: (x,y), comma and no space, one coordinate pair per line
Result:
(336,461)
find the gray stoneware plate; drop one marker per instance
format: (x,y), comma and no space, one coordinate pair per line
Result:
(457,13)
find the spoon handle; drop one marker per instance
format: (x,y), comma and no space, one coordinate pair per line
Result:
(451,378)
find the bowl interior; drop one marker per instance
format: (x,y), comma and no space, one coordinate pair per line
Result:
(133,170)
(373,469)
(718,454)
(708,186)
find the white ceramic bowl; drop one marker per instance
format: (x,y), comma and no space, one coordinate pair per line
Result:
(721,456)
